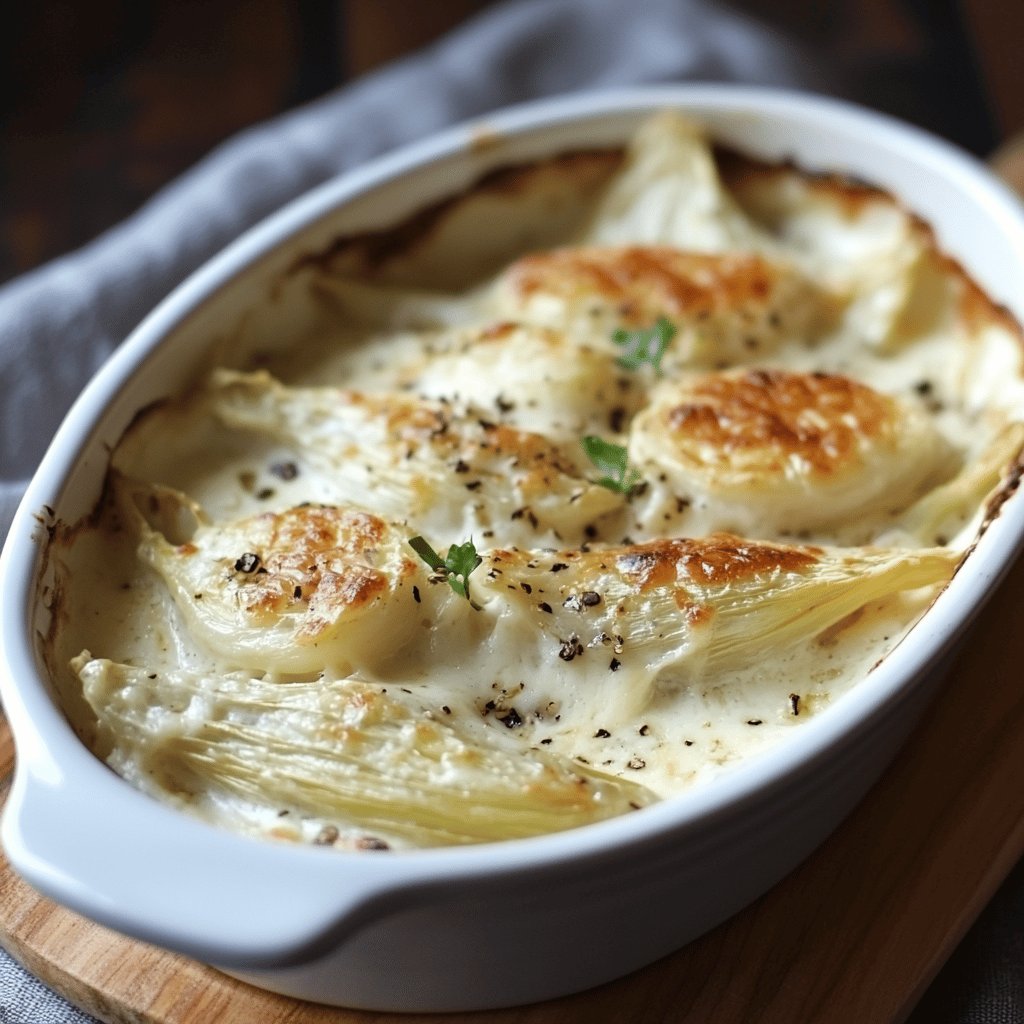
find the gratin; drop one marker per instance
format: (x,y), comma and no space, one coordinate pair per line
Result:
(547,542)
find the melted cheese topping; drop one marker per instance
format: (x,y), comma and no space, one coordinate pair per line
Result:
(531,377)
(485,563)
(408,452)
(729,306)
(782,452)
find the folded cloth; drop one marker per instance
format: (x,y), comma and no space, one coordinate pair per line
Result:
(59,323)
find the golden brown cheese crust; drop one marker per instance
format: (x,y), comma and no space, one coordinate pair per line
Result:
(646,282)
(309,557)
(319,558)
(718,560)
(581,593)
(694,571)
(768,450)
(816,423)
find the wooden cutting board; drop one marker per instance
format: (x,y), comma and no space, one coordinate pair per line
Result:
(853,935)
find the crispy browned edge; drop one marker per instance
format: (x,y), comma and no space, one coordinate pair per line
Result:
(370,251)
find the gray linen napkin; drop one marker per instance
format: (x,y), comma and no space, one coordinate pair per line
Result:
(59,323)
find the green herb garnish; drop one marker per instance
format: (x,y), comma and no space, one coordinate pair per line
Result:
(646,345)
(455,567)
(610,460)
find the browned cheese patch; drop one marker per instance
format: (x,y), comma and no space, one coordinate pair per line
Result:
(646,282)
(774,416)
(719,560)
(314,557)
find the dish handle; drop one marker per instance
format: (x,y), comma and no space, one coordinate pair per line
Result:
(84,838)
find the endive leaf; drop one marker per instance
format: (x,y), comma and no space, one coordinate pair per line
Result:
(944,510)
(291,591)
(446,468)
(669,192)
(591,629)
(368,760)
(609,622)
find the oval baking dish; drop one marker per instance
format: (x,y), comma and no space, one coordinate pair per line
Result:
(341,927)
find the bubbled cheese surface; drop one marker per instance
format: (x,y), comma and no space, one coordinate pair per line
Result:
(696,468)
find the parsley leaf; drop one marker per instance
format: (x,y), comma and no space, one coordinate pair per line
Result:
(645,345)
(610,460)
(460,561)
(455,567)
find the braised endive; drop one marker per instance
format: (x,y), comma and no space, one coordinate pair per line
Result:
(434,462)
(323,587)
(613,622)
(370,761)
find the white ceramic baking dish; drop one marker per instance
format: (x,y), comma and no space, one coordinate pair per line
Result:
(447,929)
